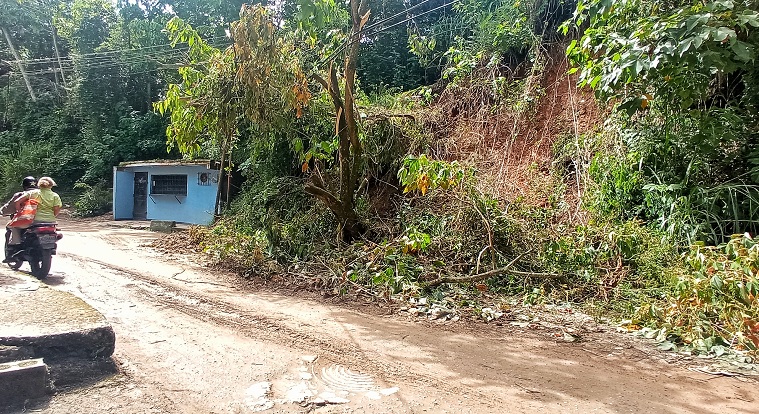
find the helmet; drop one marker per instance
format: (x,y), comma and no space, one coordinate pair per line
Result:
(29,182)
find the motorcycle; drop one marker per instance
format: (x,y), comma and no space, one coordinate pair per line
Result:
(38,245)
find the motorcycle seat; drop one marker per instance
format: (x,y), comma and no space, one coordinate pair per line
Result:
(42,224)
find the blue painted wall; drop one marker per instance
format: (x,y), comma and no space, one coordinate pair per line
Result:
(123,193)
(196,207)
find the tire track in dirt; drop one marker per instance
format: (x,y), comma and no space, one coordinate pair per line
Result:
(259,327)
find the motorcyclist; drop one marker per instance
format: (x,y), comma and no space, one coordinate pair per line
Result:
(9,208)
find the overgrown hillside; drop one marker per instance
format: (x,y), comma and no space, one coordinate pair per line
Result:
(474,153)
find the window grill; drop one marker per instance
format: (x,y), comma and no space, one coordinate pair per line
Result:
(171,184)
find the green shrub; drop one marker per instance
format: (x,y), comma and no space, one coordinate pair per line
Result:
(226,244)
(95,200)
(715,299)
(290,222)
(30,159)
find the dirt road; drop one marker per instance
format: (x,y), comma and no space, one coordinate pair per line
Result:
(194,341)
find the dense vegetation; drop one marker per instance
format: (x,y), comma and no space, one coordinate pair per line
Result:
(436,148)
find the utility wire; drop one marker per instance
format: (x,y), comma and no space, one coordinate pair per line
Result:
(105,54)
(349,42)
(387,19)
(412,18)
(96,60)
(116,61)
(152,56)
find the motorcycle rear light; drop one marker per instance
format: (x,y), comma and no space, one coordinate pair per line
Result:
(50,229)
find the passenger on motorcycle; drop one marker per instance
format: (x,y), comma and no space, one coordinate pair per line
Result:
(48,207)
(9,208)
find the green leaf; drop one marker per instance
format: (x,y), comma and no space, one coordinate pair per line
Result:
(649,333)
(719,350)
(697,20)
(716,282)
(721,34)
(630,106)
(749,17)
(743,51)
(684,46)
(571,47)
(720,5)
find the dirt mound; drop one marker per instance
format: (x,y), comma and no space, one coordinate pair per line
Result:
(511,138)
(177,242)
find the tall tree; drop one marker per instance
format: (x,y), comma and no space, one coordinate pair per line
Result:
(254,85)
(350,150)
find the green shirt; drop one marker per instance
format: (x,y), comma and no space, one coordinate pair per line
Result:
(47,200)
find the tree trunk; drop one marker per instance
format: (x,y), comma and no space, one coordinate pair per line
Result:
(220,182)
(20,64)
(58,56)
(350,150)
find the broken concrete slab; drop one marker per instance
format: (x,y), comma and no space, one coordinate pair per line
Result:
(23,380)
(50,323)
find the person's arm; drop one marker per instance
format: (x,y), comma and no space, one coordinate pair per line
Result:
(57,204)
(10,207)
(20,201)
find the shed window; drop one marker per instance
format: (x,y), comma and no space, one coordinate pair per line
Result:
(172,184)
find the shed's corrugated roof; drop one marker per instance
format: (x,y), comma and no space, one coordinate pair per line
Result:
(162,163)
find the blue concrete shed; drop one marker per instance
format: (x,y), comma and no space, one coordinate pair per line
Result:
(175,190)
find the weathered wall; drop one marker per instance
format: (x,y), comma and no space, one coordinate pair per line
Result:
(196,207)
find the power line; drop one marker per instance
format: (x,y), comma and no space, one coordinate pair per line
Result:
(115,61)
(383,29)
(114,64)
(152,56)
(107,59)
(104,64)
(413,17)
(105,54)
(387,19)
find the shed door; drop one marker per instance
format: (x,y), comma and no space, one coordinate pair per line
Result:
(140,196)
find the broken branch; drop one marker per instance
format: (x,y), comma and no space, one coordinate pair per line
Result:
(495,272)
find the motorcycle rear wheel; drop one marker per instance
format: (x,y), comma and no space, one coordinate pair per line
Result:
(41,265)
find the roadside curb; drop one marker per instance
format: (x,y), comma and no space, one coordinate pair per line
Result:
(92,343)
(40,325)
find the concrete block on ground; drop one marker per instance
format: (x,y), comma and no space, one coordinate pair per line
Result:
(22,380)
(163,226)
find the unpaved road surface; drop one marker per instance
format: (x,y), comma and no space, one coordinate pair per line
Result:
(190,340)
